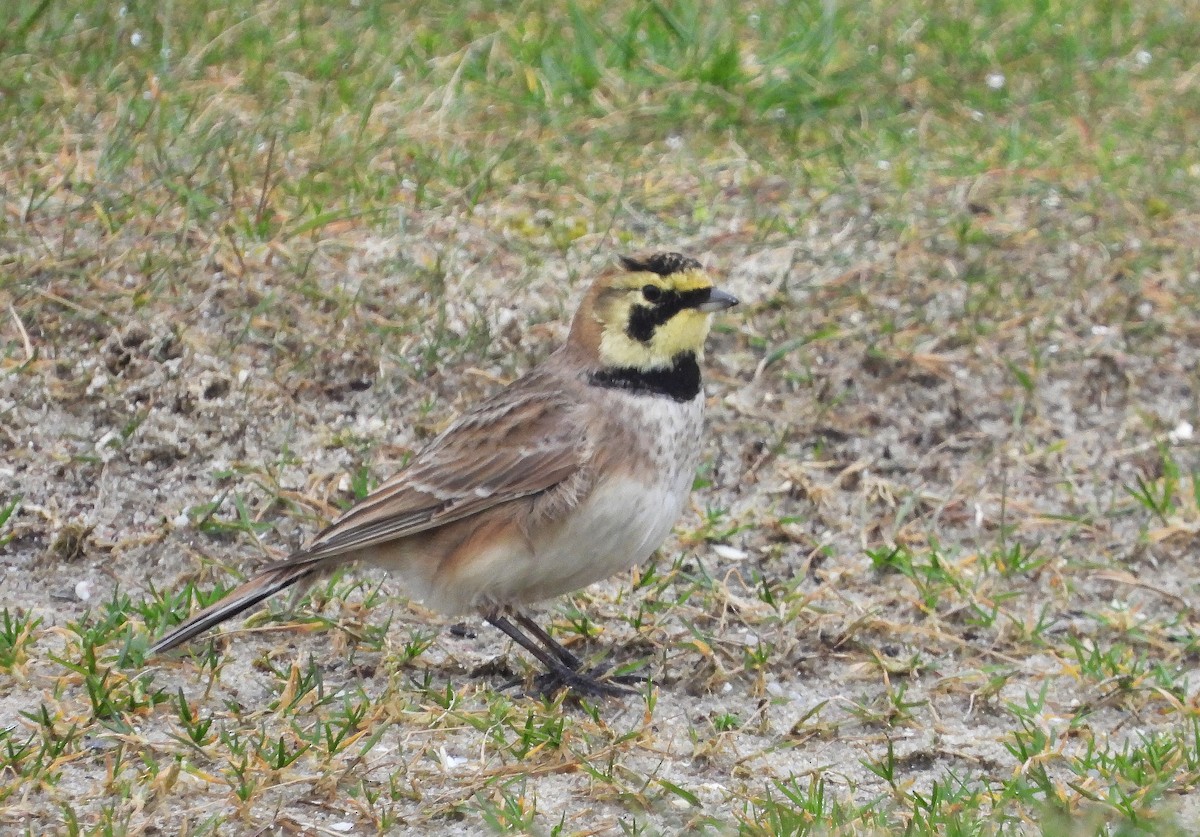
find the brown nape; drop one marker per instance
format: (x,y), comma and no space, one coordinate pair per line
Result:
(584,338)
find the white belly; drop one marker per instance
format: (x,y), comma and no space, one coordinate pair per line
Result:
(619,526)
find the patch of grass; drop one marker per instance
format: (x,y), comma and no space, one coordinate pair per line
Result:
(6,513)
(16,634)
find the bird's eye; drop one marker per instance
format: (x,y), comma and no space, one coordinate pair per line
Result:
(652,293)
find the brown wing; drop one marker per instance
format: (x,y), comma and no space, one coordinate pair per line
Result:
(524,441)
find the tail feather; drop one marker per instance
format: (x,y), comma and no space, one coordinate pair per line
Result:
(262,586)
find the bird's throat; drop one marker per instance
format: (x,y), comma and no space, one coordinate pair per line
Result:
(680,381)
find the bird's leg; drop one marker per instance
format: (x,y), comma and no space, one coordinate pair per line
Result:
(558,673)
(551,644)
(547,659)
(560,651)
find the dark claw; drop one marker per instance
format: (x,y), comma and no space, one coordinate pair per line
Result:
(581,683)
(595,682)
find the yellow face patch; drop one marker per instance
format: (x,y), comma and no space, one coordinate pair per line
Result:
(648,320)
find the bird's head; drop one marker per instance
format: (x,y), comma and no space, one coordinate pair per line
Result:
(657,307)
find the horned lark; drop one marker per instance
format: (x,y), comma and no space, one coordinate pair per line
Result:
(574,472)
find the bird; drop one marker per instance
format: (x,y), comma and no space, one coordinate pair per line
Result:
(574,472)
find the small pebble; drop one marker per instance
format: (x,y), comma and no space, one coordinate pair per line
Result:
(729,553)
(1183,432)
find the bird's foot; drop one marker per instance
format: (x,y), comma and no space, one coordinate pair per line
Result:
(593,682)
(589,683)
